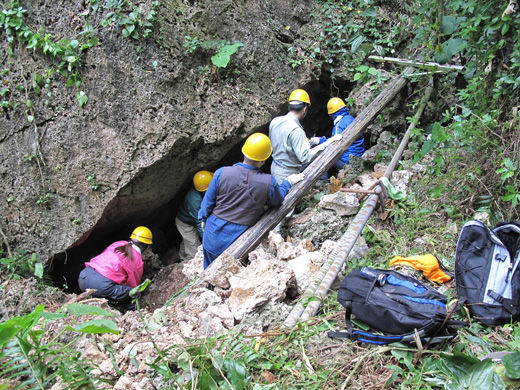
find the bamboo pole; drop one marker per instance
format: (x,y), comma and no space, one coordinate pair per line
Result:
(252,237)
(356,227)
(429,66)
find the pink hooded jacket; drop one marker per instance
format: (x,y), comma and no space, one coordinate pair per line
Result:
(117,267)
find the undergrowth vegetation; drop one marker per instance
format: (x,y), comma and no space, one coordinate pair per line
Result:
(470,154)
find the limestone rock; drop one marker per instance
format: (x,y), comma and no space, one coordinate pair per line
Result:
(367,181)
(327,247)
(400,180)
(305,268)
(224,314)
(210,326)
(341,202)
(221,270)
(262,281)
(195,266)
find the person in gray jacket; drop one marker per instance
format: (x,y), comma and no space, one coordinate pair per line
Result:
(291,147)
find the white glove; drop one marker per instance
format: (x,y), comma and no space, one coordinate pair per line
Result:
(295,178)
(202,226)
(314,141)
(336,137)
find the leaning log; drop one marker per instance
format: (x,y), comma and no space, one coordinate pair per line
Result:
(252,237)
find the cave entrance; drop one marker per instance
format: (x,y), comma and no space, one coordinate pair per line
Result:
(152,196)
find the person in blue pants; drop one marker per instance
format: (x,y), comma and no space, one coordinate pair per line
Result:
(237,195)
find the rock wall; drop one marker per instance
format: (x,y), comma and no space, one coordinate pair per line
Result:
(76,178)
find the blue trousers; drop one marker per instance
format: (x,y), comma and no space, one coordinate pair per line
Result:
(106,288)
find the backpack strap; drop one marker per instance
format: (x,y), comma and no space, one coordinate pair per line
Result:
(380,339)
(511,305)
(348,325)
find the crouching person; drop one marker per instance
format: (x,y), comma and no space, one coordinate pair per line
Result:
(118,269)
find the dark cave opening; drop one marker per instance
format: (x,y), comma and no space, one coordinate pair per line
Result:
(64,267)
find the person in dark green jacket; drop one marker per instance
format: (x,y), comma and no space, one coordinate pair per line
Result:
(187,221)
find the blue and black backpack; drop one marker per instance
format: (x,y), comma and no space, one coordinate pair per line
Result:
(395,306)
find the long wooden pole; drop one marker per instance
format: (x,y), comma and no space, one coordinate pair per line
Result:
(429,66)
(253,236)
(356,227)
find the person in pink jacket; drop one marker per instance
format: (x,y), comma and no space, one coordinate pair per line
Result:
(118,269)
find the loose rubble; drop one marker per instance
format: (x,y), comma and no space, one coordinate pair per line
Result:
(248,298)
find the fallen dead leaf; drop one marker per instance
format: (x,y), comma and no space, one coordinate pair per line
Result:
(335,185)
(268,376)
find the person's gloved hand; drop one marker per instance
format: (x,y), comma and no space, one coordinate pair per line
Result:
(202,226)
(336,137)
(295,178)
(314,141)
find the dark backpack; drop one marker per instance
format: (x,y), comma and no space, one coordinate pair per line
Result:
(393,304)
(486,271)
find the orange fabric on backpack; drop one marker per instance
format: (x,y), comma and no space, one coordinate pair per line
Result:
(428,264)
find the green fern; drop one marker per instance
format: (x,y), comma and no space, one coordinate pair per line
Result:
(29,361)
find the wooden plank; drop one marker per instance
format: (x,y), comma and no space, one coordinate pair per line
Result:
(253,236)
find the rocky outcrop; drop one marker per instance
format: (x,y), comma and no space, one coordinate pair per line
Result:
(76,178)
(156,114)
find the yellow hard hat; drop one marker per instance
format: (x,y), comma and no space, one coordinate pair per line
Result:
(335,104)
(142,234)
(299,95)
(201,180)
(257,147)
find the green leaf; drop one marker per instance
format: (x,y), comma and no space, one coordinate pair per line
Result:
(96,327)
(360,324)
(79,309)
(370,12)
(437,191)
(512,364)
(356,43)
(53,316)
(8,330)
(38,270)
(427,147)
(82,98)
(506,175)
(141,287)
(455,45)
(481,376)
(184,361)
(222,58)
(442,54)
(449,24)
